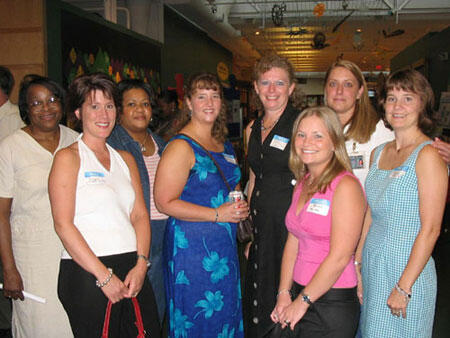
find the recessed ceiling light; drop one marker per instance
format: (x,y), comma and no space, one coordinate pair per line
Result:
(359,30)
(257,32)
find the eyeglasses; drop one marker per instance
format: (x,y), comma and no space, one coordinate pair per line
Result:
(52,102)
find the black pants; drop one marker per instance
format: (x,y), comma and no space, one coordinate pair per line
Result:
(85,303)
(334,315)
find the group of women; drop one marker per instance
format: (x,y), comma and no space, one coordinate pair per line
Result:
(339,248)
(323,243)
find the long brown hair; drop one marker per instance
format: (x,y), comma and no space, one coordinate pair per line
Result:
(205,80)
(340,160)
(364,119)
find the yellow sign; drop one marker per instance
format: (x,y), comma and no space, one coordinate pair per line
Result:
(222,71)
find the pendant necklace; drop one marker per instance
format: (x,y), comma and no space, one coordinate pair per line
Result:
(142,145)
(270,127)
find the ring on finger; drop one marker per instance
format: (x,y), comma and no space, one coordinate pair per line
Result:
(287,322)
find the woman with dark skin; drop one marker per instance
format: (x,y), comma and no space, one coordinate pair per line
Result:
(132,134)
(30,249)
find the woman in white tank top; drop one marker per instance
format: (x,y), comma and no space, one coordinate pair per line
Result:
(100,215)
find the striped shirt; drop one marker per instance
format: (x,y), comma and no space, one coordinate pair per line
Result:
(151,162)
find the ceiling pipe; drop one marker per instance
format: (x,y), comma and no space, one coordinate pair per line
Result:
(216,25)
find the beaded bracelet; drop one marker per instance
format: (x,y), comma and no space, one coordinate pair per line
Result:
(106,281)
(284,291)
(403,292)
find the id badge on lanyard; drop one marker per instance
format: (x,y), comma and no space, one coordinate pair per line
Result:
(357,158)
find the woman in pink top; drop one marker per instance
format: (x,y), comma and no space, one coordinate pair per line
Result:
(317,291)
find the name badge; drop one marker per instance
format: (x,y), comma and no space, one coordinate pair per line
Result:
(230,158)
(279,142)
(399,172)
(357,160)
(94,177)
(319,206)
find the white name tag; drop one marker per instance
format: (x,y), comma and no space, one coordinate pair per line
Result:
(94,177)
(230,158)
(279,142)
(399,172)
(319,206)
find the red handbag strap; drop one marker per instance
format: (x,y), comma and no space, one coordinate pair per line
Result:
(139,323)
(137,313)
(106,322)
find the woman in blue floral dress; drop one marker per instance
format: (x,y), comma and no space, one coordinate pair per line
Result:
(200,254)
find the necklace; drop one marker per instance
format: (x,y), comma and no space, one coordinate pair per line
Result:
(142,145)
(269,127)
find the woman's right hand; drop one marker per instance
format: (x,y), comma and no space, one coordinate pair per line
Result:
(115,290)
(359,291)
(283,301)
(233,212)
(12,284)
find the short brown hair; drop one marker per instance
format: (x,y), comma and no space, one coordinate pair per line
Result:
(411,80)
(82,86)
(268,62)
(205,80)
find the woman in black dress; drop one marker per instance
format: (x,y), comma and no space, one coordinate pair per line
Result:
(270,187)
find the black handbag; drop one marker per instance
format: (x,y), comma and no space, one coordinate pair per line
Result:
(244,231)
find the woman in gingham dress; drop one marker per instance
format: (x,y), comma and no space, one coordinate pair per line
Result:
(406,189)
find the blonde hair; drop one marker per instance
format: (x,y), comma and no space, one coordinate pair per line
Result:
(339,161)
(268,62)
(365,118)
(205,80)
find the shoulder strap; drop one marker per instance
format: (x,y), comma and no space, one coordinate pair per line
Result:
(211,157)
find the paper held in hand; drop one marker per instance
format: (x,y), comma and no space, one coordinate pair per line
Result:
(29,295)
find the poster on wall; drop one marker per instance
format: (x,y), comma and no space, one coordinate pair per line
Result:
(89,46)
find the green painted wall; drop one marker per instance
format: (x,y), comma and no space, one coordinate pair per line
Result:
(428,53)
(68,26)
(188,50)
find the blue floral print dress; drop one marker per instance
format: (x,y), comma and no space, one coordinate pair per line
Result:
(201,264)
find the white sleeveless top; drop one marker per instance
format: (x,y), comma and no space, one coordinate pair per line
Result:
(104,201)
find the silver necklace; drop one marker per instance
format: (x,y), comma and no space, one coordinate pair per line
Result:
(270,127)
(142,145)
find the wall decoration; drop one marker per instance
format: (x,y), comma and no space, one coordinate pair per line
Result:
(90,46)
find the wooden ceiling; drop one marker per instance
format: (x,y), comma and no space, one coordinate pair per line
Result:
(369,33)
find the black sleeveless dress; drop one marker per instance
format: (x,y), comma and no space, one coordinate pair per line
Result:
(270,201)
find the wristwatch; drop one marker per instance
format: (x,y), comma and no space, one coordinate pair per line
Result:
(306,298)
(149,264)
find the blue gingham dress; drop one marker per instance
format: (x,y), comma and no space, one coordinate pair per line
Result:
(394,201)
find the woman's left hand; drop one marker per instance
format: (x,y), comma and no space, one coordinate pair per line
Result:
(135,278)
(292,314)
(397,303)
